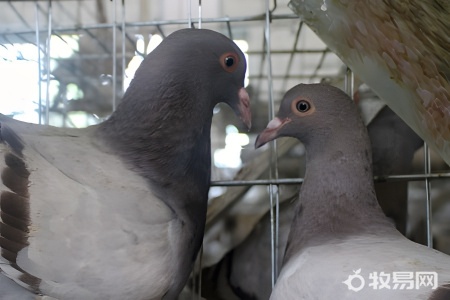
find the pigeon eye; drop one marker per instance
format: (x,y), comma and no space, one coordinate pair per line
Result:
(303,106)
(229,61)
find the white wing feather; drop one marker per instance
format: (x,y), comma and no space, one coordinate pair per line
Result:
(92,218)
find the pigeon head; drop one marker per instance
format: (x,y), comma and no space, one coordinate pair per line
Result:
(307,111)
(224,61)
(195,64)
(227,64)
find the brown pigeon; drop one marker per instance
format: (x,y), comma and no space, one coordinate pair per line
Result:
(400,49)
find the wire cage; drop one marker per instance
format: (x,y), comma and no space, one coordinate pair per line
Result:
(68,63)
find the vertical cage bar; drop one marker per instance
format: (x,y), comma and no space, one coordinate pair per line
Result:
(199,283)
(427,162)
(124,63)
(38,44)
(199,13)
(349,82)
(291,56)
(114,55)
(189,14)
(49,37)
(273,172)
(197,271)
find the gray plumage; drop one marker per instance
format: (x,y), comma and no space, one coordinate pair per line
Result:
(117,210)
(338,226)
(393,146)
(246,270)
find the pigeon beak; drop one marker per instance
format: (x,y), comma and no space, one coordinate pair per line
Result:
(271,132)
(244,108)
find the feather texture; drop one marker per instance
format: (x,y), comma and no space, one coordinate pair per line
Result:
(117,210)
(339,229)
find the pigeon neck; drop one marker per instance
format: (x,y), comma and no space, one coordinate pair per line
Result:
(337,199)
(169,146)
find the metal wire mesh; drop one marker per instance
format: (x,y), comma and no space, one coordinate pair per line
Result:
(282,52)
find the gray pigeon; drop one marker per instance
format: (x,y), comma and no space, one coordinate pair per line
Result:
(341,246)
(117,210)
(246,270)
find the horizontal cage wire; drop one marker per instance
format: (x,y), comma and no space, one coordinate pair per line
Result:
(68,63)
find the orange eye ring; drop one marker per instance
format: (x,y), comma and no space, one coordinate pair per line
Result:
(302,106)
(229,61)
